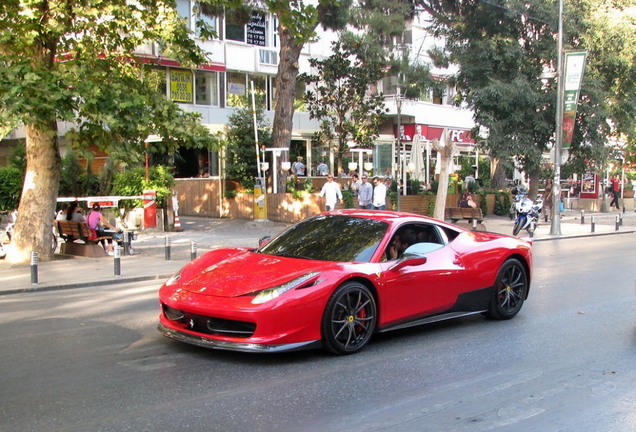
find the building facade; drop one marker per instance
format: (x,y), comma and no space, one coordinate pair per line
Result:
(243,58)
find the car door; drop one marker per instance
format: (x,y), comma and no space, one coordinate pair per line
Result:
(412,290)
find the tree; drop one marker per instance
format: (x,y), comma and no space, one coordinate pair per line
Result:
(71,61)
(241,163)
(447,150)
(339,96)
(503,48)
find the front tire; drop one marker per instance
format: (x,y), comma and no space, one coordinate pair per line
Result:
(349,319)
(518,224)
(510,290)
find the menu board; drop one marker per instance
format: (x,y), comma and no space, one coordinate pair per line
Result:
(588,182)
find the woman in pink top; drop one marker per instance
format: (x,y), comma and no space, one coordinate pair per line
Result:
(96,221)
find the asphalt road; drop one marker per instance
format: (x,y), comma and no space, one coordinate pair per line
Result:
(92,360)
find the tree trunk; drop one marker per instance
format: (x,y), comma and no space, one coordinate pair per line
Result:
(446,150)
(533,187)
(497,174)
(33,229)
(285,84)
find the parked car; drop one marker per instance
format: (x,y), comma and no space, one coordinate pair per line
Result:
(333,281)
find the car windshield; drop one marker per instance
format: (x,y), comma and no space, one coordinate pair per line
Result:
(329,238)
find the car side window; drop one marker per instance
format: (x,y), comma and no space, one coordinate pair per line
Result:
(426,238)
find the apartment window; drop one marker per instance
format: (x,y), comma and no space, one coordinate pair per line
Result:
(236,89)
(256,31)
(239,91)
(260,90)
(234,27)
(209,23)
(206,84)
(184,9)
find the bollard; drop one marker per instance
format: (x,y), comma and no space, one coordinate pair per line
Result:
(620,215)
(617,224)
(593,224)
(168,244)
(117,260)
(582,217)
(34,268)
(474,224)
(125,242)
(193,250)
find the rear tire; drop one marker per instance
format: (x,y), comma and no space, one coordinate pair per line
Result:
(510,290)
(349,319)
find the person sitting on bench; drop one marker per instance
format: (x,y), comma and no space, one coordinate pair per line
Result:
(97,222)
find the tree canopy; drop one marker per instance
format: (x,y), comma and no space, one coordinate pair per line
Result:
(503,47)
(339,97)
(69,60)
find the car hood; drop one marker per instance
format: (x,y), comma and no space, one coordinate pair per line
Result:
(234,272)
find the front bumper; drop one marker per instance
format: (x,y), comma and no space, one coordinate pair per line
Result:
(234,346)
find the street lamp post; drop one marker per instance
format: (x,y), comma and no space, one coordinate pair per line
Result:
(555,227)
(398,106)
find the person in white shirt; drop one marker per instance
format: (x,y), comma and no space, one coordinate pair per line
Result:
(331,191)
(379,194)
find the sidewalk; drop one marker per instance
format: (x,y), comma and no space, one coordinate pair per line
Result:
(149,260)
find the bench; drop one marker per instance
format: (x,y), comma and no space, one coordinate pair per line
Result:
(71,232)
(464,213)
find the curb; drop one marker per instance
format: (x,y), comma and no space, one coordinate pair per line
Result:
(84,284)
(574,236)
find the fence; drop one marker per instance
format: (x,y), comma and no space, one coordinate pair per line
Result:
(202,197)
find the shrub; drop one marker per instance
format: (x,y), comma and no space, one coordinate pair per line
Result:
(347,198)
(133,182)
(10,187)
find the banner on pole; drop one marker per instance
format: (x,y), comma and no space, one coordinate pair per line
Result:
(574,67)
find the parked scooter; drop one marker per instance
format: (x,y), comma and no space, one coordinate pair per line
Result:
(527,213)
(518,193)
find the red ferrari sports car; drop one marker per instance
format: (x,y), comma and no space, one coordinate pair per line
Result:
(335,279)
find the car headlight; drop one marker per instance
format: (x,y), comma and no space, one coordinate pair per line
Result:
(273,292)
(173,279)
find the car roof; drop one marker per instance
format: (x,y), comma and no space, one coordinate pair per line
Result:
(388,216)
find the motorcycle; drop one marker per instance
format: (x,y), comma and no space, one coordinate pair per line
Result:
(527,214)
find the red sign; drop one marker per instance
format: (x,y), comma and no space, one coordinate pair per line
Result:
(103,203)
(408,131)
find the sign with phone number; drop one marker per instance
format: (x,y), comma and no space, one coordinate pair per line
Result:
(181,86)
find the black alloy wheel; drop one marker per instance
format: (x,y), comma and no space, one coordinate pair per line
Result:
(510,290)
(350,319)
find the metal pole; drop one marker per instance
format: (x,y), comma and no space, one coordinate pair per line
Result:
(582,217)
(258,164)
(117,260)
(593,225)
(398,103)
(555,227)
(193,250)
(167,248)
(34,268)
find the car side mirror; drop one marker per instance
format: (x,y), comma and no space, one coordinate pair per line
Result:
(264,240)
(407,261)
